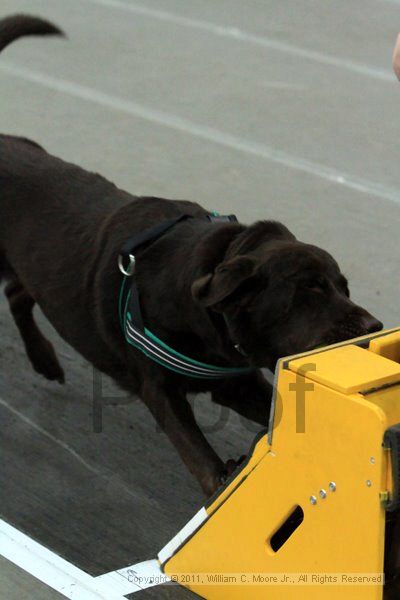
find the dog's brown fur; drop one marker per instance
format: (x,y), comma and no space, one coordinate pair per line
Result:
(204,287)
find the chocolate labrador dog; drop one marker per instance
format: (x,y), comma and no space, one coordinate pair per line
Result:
(161,295)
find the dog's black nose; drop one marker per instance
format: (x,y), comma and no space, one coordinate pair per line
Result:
(370,324)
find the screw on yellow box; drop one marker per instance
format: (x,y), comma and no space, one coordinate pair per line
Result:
(309,513)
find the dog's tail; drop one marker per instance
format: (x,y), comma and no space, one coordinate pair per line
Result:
(16,26)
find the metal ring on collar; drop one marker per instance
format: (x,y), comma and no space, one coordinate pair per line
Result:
(131,267)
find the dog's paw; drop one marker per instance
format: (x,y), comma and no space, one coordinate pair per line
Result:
(52,372)
(230,467)
(45,362)
(212,483)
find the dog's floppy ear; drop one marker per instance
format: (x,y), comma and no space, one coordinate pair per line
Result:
(213,288)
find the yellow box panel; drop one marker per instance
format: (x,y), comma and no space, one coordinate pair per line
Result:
(323,454)
(349,369)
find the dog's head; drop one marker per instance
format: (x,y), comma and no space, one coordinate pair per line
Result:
(280,296)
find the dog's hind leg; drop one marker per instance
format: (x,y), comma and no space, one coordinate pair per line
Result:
(39,350)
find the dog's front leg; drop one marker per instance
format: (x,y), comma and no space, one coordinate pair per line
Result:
(174,415)
(248,395)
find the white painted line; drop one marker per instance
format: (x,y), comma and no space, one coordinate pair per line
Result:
(250,38)
(136,577)
(204,132)
(115,479)
(172,546)
(51,569)
(48,435)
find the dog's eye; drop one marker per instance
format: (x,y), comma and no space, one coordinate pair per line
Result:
(315,285)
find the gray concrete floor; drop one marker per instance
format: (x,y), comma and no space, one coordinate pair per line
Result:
(16,584)
(295,117)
